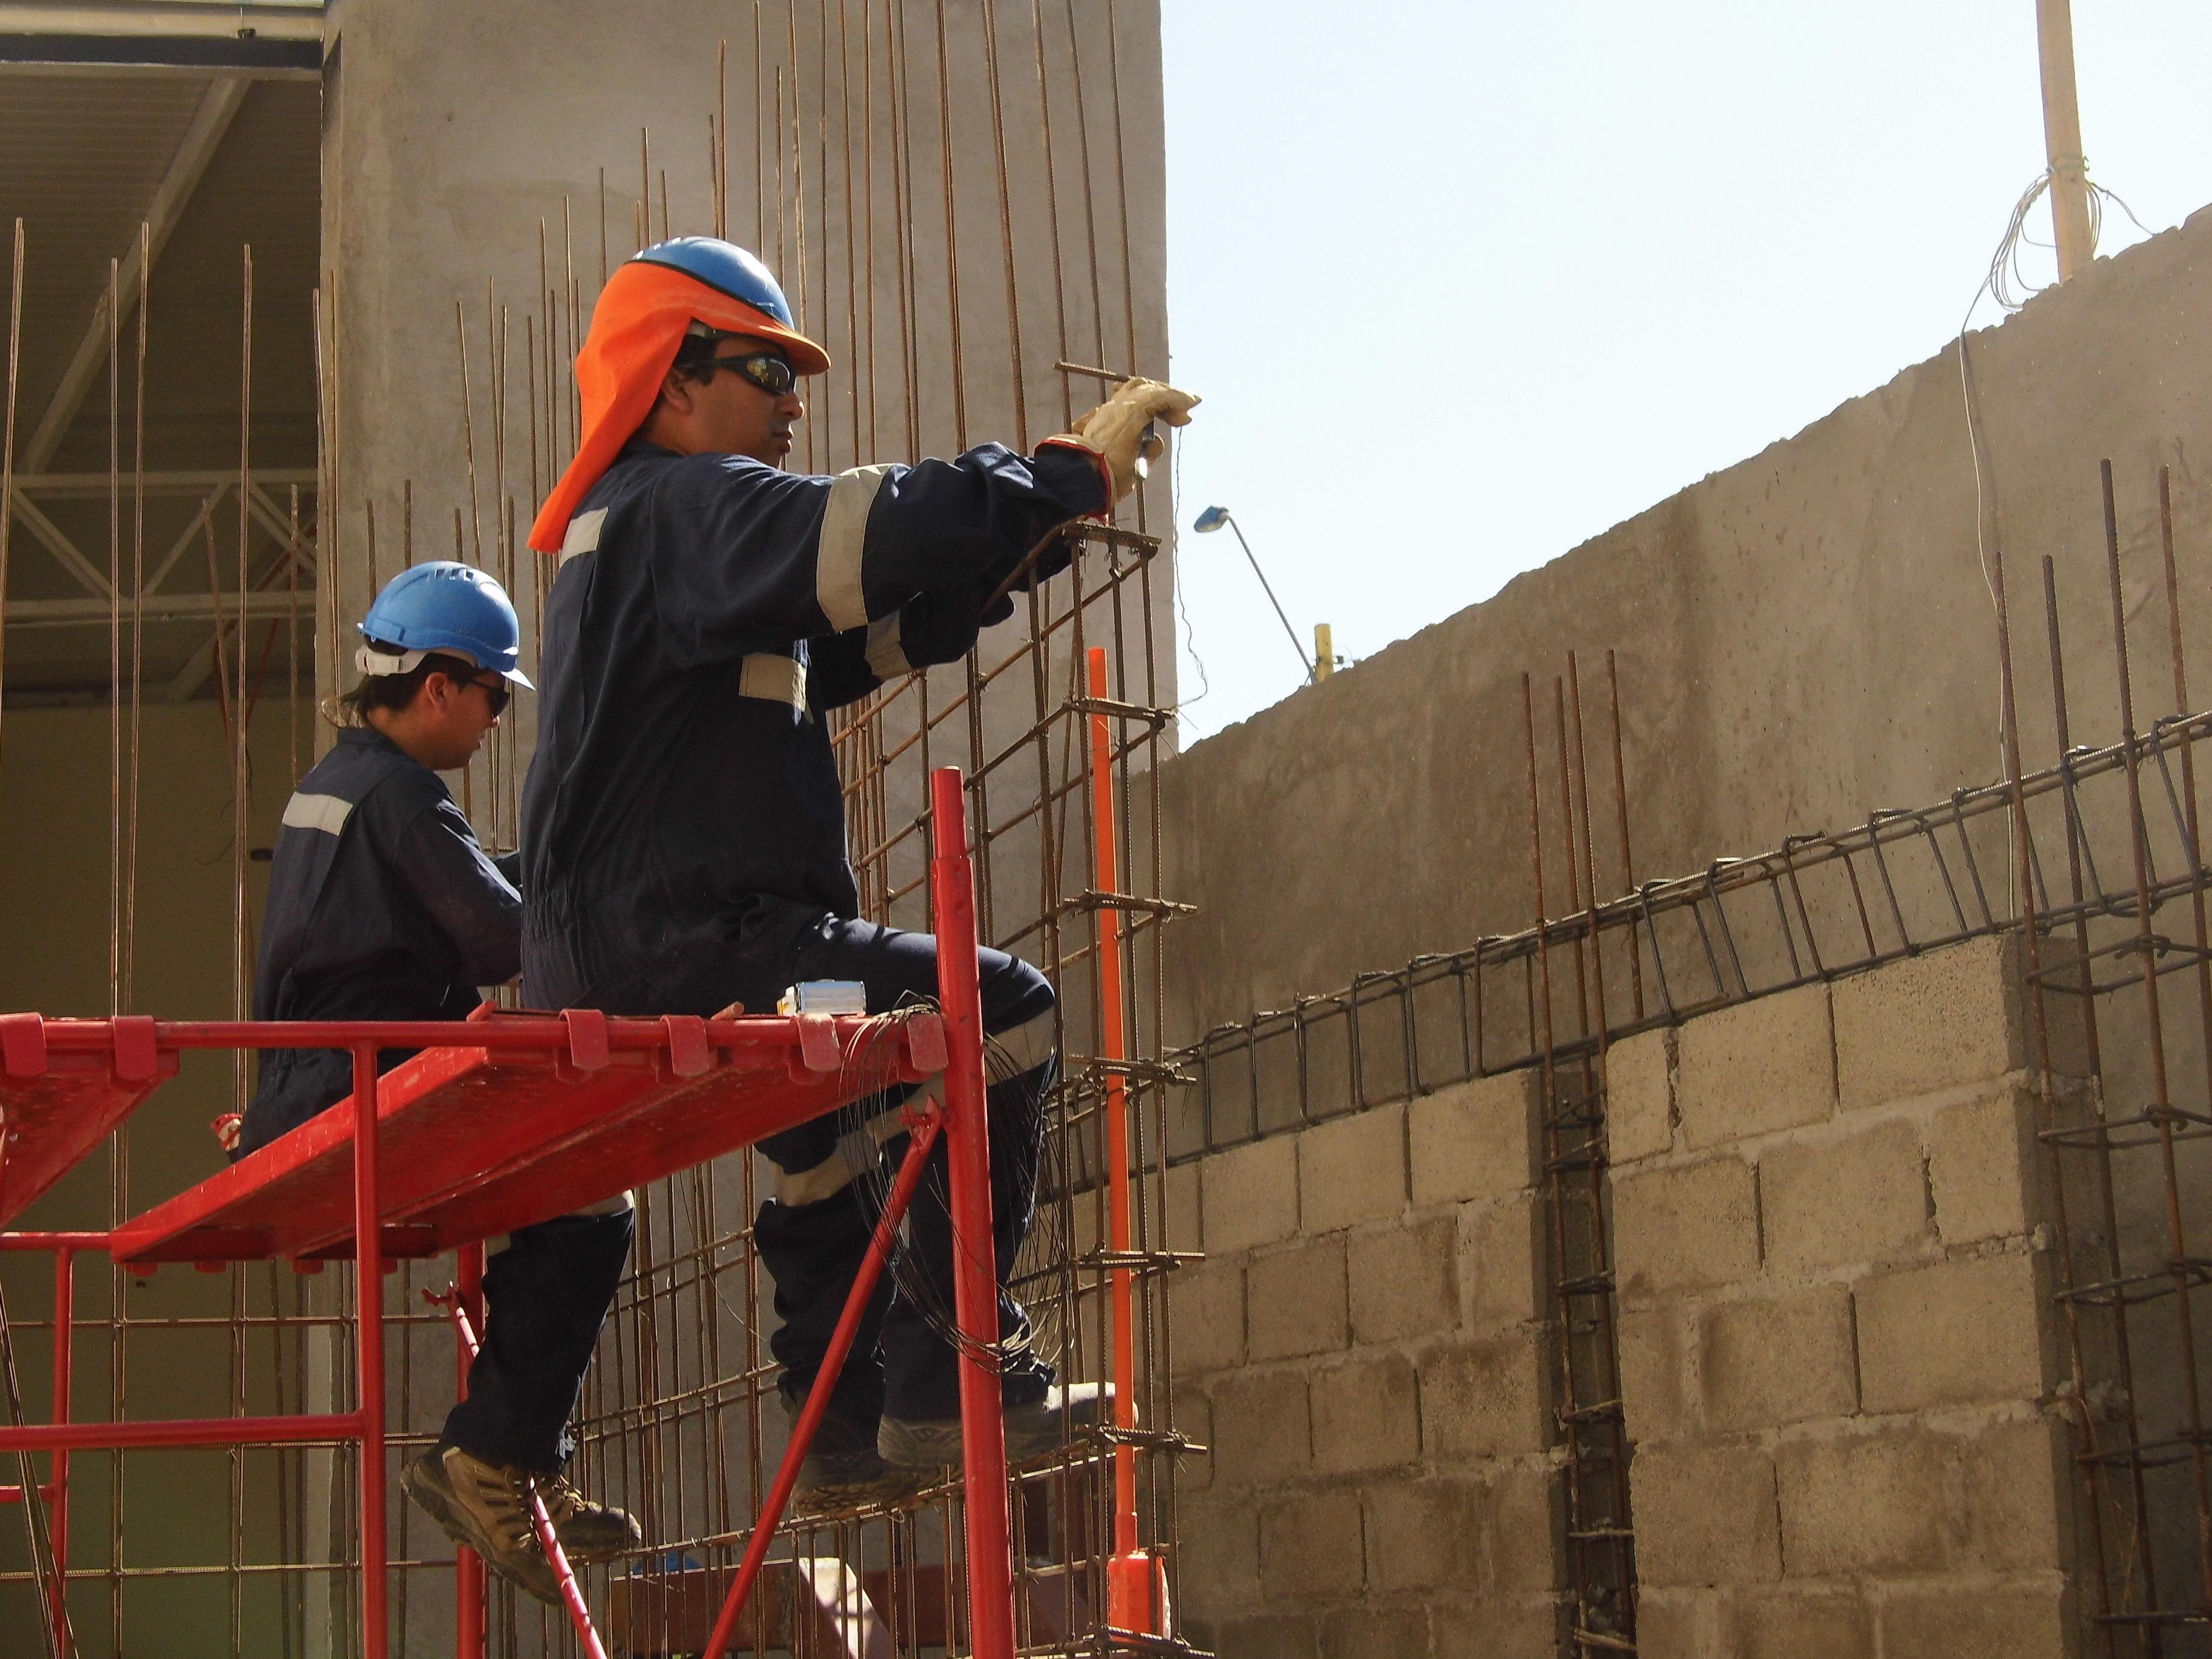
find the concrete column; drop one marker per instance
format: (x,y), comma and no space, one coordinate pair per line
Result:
(451,138)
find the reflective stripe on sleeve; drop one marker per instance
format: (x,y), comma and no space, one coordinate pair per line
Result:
(583,535)
(886,649)
(325,812)
(773,678)
(843,539)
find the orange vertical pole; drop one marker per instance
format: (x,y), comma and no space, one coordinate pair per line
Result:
(1130,1601)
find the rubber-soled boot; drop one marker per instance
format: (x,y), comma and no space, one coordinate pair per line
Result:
(587,1531)
(486,1507)
(842,1469)
(1036,1429)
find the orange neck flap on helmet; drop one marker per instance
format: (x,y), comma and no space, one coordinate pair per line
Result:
(636,326)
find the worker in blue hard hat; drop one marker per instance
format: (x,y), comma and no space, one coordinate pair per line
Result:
(683,821)
(382,905)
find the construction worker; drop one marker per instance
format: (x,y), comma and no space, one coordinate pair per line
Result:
(383,906)
(683,828)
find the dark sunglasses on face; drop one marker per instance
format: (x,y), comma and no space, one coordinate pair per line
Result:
(763,368)
(497,692)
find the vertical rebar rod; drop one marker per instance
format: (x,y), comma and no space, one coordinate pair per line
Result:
(2177,1236)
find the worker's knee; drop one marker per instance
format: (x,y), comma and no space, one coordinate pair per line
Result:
(1020,1018)
(1013,993)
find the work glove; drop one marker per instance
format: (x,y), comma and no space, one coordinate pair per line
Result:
(1121,430)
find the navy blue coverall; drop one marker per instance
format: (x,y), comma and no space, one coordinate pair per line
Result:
(683,827)
(383,906)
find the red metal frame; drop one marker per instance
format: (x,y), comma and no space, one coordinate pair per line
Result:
(55,1075)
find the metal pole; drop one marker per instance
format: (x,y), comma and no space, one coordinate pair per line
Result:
(65,1359)
(1132,1601)
(974,1285)
(470,1630)
(1303,660)
(369,1314)
(2062,137)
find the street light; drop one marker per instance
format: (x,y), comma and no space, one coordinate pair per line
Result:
(1211,520)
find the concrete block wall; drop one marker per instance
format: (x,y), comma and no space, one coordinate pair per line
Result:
(1363,1353)
(1835,1329)
(1836,1332)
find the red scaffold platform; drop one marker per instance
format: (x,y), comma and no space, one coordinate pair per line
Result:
(508,1120)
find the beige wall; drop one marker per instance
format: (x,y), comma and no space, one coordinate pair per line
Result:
(54,916)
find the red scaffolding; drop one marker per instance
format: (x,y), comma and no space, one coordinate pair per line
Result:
(526,1117)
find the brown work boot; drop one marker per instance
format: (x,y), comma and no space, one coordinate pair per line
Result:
(486,1507)
(587,1531)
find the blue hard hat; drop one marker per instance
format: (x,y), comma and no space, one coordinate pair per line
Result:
(443,606)
(726,267)
(730,270)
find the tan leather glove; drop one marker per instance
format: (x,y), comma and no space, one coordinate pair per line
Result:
(1118,428)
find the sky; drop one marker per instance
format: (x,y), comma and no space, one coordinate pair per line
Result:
(1464,284)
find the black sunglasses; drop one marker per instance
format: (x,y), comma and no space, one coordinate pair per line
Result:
(498,692)
(763,368)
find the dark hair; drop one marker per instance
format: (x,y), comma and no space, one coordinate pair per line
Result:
(695,351)
(397,691)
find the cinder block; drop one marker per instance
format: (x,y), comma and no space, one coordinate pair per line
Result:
(1704,1515)
(1207,1317)
(1475,1140)
(1495,1629)
(1786,1360)
(1261,1431)
(1528,1540)
(1405,1279)
(1984,1168)
(1295,1301)
(1760,1065)
(1804,1624)
(1686,1228)
(1862,1197)
(2026,1619)
(1503,1257)
(1352,1170)
(1309,1547)
(1863,1503)
(1249,1196)
(1655,1391)
(1639,1096)
(1179,1207)
(1194,1420)
(1366,1415)
(1679,1622)
(1950,1332)
(1220,1556)
(2018,1498)
(1264,1636)
(1371,1632)
(1424,1534)
(1486,1398)
(1929,1022)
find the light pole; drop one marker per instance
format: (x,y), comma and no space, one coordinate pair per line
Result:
(1211,520)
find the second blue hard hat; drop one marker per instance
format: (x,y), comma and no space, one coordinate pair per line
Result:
(444,606)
